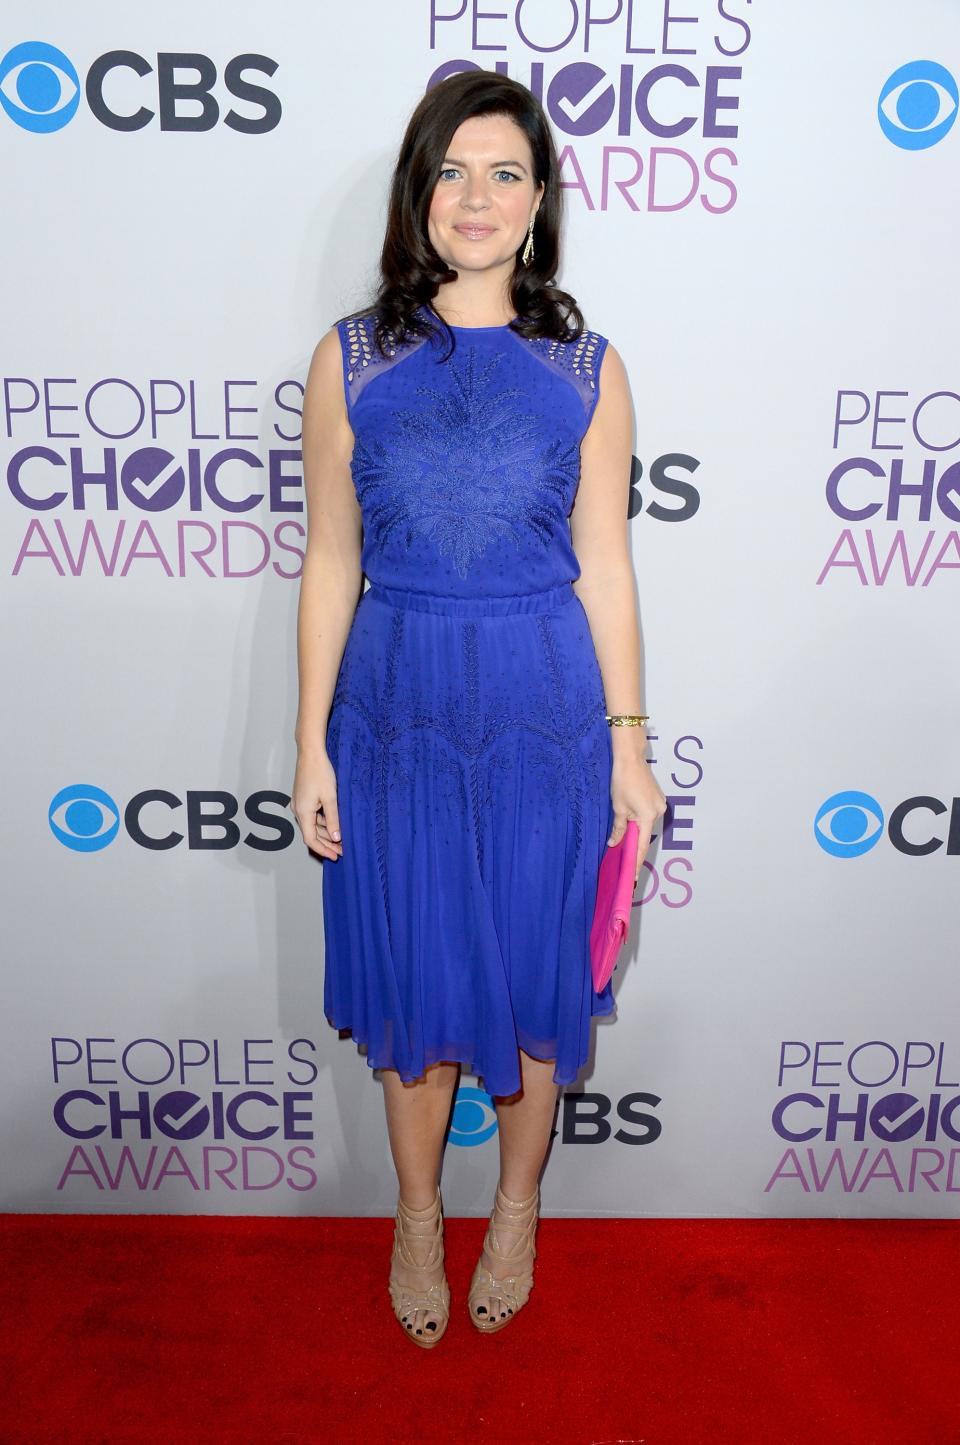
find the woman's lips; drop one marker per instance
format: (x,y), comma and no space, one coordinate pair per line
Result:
(474,233)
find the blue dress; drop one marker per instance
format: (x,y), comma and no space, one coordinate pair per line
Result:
(467,729)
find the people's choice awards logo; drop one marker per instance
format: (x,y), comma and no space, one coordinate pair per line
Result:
(918,105)
(166,476)
(893,482)
(651,126)
(187,1115)
(882,1116)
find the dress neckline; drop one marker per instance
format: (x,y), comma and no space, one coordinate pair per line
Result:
(502,327)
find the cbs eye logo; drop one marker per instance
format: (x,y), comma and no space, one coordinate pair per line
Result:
(848,824)
(917,105)
(39,86)
(470,1124)
(84,818)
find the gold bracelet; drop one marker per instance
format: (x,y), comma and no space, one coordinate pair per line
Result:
(627,719)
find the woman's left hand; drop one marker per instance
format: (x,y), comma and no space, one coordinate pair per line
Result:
(635,794)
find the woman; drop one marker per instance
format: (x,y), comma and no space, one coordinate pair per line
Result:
(467,447)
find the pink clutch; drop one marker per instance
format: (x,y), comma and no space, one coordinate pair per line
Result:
(611,916)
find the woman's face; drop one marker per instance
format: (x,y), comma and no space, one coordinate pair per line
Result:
(485,195)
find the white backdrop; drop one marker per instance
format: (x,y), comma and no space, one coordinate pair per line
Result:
(779,276)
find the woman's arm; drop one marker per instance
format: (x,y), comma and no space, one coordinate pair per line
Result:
(600,535)
(329,587)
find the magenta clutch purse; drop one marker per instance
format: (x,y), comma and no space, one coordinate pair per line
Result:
(611,916)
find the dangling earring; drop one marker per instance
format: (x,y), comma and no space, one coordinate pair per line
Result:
(528,248)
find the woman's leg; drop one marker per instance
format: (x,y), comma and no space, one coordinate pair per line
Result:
(417,1117)
(525,1123)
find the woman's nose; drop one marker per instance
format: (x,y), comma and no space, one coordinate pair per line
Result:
(475,193)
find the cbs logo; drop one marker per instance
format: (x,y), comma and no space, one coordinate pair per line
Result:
(850,823)
(917,105)
(86,819)
(40,90)
(584,1119)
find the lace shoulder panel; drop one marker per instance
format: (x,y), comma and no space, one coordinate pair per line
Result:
(362,358)
(578,360)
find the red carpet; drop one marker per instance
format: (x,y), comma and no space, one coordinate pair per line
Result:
(158,1330)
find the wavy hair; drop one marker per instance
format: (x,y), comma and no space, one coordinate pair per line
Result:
(411,272)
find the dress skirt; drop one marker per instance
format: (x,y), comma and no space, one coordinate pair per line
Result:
(472,756)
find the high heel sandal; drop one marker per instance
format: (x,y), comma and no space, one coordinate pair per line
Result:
(407,1301)
(513,1290)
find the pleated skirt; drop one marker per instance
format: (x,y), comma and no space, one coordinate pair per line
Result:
(473,759)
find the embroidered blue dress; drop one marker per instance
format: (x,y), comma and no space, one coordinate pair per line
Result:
(467,728)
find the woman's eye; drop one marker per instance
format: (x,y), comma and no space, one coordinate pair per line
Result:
(451,171)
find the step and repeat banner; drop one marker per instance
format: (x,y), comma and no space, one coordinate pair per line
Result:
(762,217)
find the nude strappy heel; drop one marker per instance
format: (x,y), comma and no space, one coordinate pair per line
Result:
(407,1302)
(513,1290)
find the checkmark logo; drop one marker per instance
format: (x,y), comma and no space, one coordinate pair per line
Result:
(586,101)
(896,1117)
(152,479)
(181,1115)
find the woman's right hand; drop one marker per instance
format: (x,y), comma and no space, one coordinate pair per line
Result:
(314,804)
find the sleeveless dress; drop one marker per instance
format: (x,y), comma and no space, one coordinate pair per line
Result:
(467,729)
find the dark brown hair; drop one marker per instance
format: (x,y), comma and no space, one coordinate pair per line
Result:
(411,271)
